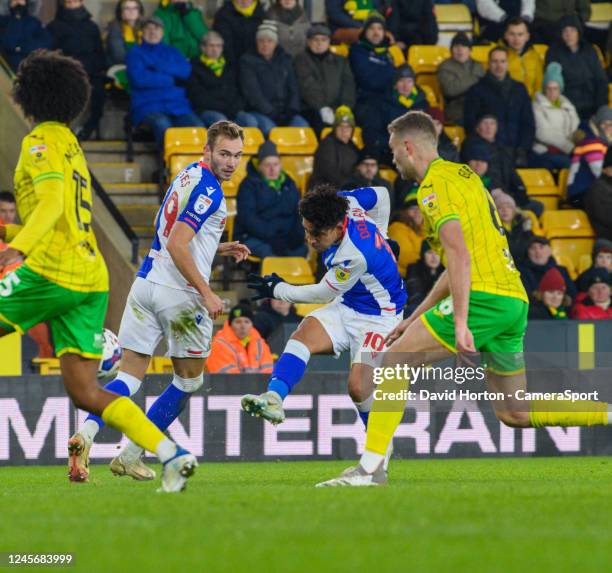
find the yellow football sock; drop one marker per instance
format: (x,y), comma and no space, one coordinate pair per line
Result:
(386,414)
(564,413)
(128,418)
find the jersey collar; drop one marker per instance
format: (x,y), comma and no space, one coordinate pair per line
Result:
(436,160)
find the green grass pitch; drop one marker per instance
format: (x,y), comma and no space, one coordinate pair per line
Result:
(490,515)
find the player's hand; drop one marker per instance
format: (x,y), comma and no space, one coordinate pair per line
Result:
(234,249)
(464,340)
(263,285)
(397,331)
(10,256)
(213,304)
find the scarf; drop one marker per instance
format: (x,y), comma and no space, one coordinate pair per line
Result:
(276,184)
(246,12)
(359,9)
(407,101)
(557,313)
(216,66)
(131,36)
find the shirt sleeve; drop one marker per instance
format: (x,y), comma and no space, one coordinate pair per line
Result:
(375,202)
(200,206)
(339,279)
(438,206)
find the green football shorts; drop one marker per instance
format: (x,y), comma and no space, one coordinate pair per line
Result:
(76,318)
(497,323)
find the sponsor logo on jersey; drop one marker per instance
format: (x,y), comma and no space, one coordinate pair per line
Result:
(202,204)
(342,274)
(428,201)
(35,149)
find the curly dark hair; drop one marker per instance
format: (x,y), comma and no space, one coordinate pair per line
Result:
(51,87)
(323,208)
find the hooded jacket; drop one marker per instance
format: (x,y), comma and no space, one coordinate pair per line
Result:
(238,31)
(334,161)
(228,355)
(552,10)
(526,67)
(555,126)
(182,29)
(455,80)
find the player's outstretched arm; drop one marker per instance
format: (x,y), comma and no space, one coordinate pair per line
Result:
(234,249)
(178,247)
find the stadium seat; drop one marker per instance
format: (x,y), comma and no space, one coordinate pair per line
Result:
(431,80)
(481,54)
(456,134)
(541,49)
(562,183)
(600,55)
(389,175)
(294,270)
(426,59)
(231,217)
(571,249)
(340,49)
(430,95)
(304,308)
(566,223)
(566,262)
(230,188)
(184,140)
(253,138)
(294,140)
(398,56)
(179,162)
(452,18)
(538,182)
(584,263)
(299,168)
(550,202)
(601,13)
(357,135)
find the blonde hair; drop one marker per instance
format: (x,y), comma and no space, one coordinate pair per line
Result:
(223,128)
(416,124)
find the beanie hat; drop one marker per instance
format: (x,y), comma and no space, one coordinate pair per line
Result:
(604,113)
(461,39)
(374,17)
(602,245)
(403,71)
(425,246)
(552,280)
(365,154)
(601,276)
(268,29)
(503,199)
(571,20)
(155,21)
(554,73)
(267,149)
(240,311)
(344,114)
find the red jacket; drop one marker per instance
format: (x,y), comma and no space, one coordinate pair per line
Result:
(585,309)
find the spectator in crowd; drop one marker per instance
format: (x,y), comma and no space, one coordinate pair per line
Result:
(413,22)
(421,276)
(78,36)
(596,304)
(238,348)
(268,83)
(346,19)
(212,87)
(373,70)
(602,259)
(125,31)
(494,14)
(446,148)
(598,200)
(518,226)
(21,32)
(548,13)
(525,65)
(366,173)
(586,85)
(337,155)
(157,73)
(325,79)
(539,260)
(8,208)
(556,123)
(592,144)
(498,94)
(272,314)
(184,26)
(457,75)
(237,21)
(407,231)
(550,300)
(292,24)
(267,218)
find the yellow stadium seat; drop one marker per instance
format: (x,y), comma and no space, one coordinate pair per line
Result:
(456,134)
(566,262)
(230,188)
(299,168)
(357,135)
(305,308)
(389,175)
(451,16)
(571,249)
(294,140)
(541,49)
(426,59)
(294,270)
(481,54)
(432,100)
(340,49)
(398,56)
(253,138)
(179,162)
(184,140)
(231,217)
(536,177)
(601,13)
(431,81)
(566,223)
(600,55)
(584,262)
(562,183)
(550,202)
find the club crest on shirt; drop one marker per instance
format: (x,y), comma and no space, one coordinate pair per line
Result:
(202,204)
(342,274)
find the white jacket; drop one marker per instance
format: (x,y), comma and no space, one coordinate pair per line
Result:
(554,125)
(490,10)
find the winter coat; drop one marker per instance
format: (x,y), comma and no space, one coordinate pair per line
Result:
(357,180)
(555,126)
(292,27)
(228,355)
(373,72)
(447,149)
(267,320)
(413,22)
(116,47)
(526,68)
(21,35)
(238,31)
(269,86)
(455,80)
(338,17)
(419,281)
(598,206)
(206,91)
(509,101)
(586,309)
(553,10)
(152,71)
(586,164)
(324,81)
(586,84)
(539,311)
(182,30)
(409,242)
(531,275)
(78,36)
(519,233)
(334,161)
(266,214)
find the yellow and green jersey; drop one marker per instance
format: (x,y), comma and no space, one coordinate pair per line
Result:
(453,191)
(58,239)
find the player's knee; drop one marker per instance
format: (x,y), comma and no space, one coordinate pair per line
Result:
(189,385)
(513,418)
(86,399)
(357,390)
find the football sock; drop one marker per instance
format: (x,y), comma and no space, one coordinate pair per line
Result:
(363,409)
(289,368)
(579,413)
(123,385)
